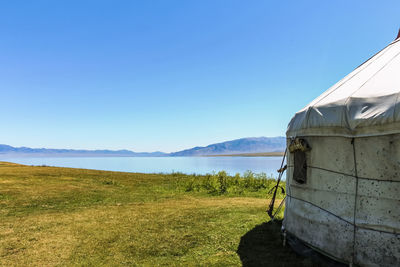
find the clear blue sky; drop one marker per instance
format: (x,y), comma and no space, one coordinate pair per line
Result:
(168,75)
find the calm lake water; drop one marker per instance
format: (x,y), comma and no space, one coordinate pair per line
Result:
(189,165)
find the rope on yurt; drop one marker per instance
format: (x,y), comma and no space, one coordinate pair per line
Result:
(355,201)
(289,196)
(271,204)
(348,174)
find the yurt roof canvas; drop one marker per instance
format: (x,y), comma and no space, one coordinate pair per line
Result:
(364,103)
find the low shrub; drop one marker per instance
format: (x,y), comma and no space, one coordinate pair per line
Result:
(223,184)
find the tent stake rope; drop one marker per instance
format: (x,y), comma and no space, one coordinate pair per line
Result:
(272,203)
(278,209)
(355,201)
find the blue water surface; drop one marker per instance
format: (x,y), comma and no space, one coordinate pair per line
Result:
(188,165)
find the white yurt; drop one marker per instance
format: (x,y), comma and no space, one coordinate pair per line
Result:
(343,176)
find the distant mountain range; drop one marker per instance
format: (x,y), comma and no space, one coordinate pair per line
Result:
(26,151)
(238,146)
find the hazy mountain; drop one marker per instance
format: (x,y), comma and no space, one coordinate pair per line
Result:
(243,145)
(26,151)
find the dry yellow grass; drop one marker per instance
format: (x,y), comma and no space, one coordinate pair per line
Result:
(108,234)
(68,217)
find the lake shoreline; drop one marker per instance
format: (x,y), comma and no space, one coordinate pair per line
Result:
(261,154)
(68,155)
(188,165)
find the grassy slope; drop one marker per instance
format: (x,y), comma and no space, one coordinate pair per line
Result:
(61,216)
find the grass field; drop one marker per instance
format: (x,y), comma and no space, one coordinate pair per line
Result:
(61,216)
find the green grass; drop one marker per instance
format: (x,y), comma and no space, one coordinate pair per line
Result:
(61,216)
(250,184)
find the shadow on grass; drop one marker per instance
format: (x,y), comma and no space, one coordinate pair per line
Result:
(262,246)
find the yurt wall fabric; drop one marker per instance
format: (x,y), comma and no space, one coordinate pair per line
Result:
(349,206)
